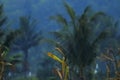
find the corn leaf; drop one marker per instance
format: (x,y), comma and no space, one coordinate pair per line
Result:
(59,74)
(59,50)
(66,73)
(63,66)
(54,57)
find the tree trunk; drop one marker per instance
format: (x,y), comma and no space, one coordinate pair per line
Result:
(25,63)
(81,73)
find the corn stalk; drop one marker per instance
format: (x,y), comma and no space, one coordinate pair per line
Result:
(63,73)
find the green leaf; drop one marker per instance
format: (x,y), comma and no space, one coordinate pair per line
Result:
(60,19)
(97,15)
(17,56)
(70,11)
(100,37)
(58,34)
(15,61)
(87,9)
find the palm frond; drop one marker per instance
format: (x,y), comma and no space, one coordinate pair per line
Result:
(70,11)
(97,15)
(60,19)
(2,21)
(87,10)
(103,35)
(60,35)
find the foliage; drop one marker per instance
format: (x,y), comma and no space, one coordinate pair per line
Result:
(64,72)
(3,63)
(79,38)
(27,37)
(6,37)
(112,58)
(2,18)
(6,61)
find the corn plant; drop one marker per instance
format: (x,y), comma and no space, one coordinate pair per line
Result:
(63,73)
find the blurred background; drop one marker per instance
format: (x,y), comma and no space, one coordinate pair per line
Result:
(87,32)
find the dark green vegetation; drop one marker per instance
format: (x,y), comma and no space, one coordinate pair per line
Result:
(6,62)
(27,37)
(82,39)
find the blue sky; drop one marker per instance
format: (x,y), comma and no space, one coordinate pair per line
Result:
(43,9)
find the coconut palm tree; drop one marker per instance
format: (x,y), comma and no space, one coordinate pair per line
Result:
(27,38)
(80,35)
(6,37)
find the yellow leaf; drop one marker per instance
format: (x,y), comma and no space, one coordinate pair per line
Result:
(3,54)
(59,74)
(9,64)
(63,66)
(59,50)
(54,57)
(66,73)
